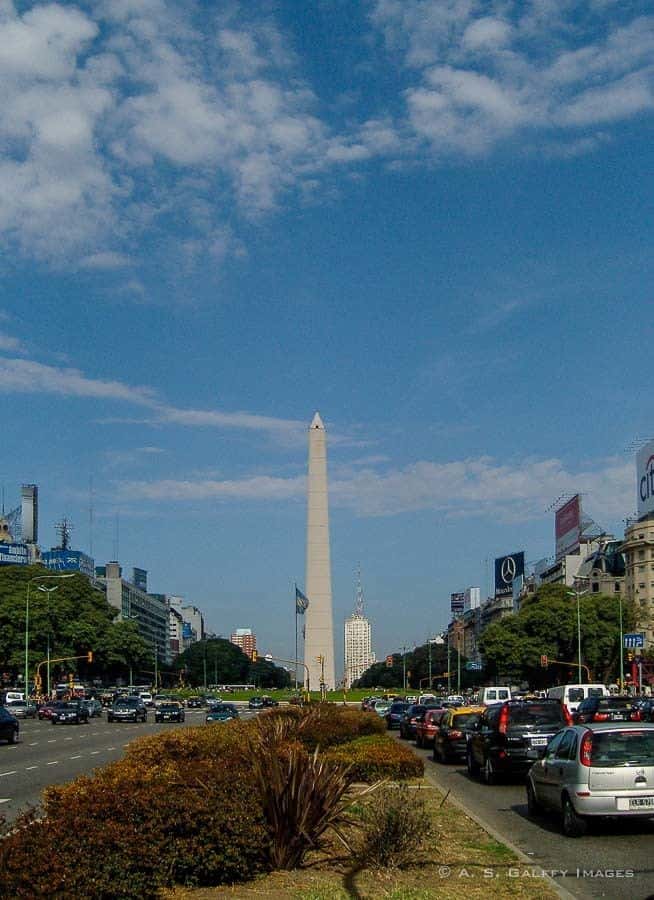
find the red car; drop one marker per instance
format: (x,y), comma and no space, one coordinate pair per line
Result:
(45,711)
(427,726)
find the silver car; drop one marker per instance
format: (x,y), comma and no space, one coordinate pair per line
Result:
(596,769)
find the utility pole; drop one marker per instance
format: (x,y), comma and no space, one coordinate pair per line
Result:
(429,643)
(449,664)
(404,668)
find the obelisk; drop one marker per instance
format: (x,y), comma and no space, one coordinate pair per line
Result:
(319,627)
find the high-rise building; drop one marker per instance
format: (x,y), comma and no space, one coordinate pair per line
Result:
(319,627)
(246,639)
(149,611)
(30,513)
(638,550)
(358,644)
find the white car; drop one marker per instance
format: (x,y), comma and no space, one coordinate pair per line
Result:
(146,697)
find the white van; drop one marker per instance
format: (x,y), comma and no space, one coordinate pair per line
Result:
(14,695)
(571,695)
(489,695)
(425,699)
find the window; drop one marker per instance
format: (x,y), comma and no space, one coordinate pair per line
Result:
(568,746)
(617,587)
(595,587)
(642,585)
(641,554)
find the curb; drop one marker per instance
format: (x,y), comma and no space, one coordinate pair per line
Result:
(564,893)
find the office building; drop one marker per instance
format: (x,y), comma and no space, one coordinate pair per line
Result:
(246,639)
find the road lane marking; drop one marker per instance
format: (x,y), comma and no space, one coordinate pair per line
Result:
(52,741)
(2,774)
(54,763)
(75,757)
(34,744)
(5,799)
(68,739)
(94,752)
(111,748)
(28,768)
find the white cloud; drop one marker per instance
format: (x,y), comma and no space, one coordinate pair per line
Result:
(9,343)
(106,259)
(260,487)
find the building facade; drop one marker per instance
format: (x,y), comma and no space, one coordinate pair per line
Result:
(638,551)
(246,639)
(149,611)
(358,648)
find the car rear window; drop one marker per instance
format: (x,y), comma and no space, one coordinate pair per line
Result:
(398,707)
(595,692)
(536,714)
(576,694)
(463,719)
(615,703)
(623,748)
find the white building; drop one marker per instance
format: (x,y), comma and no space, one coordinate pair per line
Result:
(358,648)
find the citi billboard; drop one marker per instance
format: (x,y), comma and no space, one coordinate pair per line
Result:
(645,479)
(507,568)
(567,527)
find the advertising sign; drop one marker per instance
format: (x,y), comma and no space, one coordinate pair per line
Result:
(14,554)
(508,568)
(457,603)
(69,561)
(567,527)
(645,479)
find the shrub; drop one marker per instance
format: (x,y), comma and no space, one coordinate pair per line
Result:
(395,826)
(375,757)
(326,725)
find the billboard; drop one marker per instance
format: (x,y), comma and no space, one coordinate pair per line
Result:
(14,554)
(645,479)
(457,603)
(567,527)
(69,561)
(506,569)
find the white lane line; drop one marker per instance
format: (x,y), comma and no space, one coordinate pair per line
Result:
(2,774)
(75,757)
(94,733)
(53,741)
(5,799)
(34,744)
(28,768)
(94,752)
(111,748)
(54,763)
(68,739)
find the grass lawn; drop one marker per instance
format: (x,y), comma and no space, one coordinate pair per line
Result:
(460,860)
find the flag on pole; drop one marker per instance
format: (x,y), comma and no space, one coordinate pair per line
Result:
(301,602)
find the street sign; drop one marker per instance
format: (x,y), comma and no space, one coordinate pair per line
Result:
(635,640)
(472,666)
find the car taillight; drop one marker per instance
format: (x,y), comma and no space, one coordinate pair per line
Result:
(566,713)
(586,748)
(504,720)
(636,715)
(600,717)
(455,735)
(413,721)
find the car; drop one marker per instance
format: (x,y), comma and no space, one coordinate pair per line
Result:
(255,703)
(606,709)
(45,710)
(169,712)
(224,712)
(496,694)
(599,769)
(9,726)
(454,729)
(427,725)
(646,707)
(270,702)
(571,695)
(509,737)
(409,720)
(127,709)
(394,714)
(158,699)
(147,698)
(94,707)
(21,709)
(411,698)
(382,707)
(70,712)
(195,702)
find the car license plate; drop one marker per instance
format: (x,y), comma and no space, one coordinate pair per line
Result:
(539,742)
(641,803)
(618,717)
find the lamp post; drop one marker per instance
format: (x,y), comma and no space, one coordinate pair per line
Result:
(48,591)
(27,621)
(578,594)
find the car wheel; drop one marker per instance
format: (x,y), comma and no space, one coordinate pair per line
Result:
(54,721)
(12,737)
(490,775)
(574,825)
(473,767)
(533,806)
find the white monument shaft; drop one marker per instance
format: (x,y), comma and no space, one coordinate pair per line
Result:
(319,628)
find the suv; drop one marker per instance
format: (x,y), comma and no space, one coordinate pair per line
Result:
(511,736)
(127,709)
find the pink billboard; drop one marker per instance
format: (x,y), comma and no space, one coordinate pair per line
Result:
(567,527)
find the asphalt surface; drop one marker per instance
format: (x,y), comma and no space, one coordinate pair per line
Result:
(49,754)
(614,860)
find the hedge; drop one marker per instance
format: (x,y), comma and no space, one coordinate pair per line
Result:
(375,757)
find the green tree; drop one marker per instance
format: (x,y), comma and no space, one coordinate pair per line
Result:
(223,662)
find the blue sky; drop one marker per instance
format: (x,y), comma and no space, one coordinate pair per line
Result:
(431,220)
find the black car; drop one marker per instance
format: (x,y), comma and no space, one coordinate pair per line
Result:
(511,736)
(169,712)
(128,709)
(394,714)
(256,703)
(73,712)
(195,702)
(606,709)
(224,712)
(646,708)
(269,703)
(9,726)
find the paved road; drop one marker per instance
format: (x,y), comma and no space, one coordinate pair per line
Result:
(48,754)
(609,847)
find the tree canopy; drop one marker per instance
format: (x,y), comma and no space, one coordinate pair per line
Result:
(225,663)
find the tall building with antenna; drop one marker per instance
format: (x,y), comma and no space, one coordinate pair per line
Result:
(358,642)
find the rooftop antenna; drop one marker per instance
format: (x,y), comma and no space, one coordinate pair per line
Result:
(3,499)
(116,536)
(358,605)
(64,529)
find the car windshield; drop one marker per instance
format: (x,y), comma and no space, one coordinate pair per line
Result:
(131,704)
(536,714)
(398,707)
(169,707)
(623,748)
(17,703)
(463,719)
(71,706)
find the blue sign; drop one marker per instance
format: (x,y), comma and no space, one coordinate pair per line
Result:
(474,666)
(69,561)
(634,641)
(14,554)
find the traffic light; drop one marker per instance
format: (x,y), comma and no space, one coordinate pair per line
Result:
(544,661)
(630,655)
(71,680)
(255,655)
(89,656)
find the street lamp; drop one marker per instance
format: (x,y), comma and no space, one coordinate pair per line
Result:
(27,621)
(576,593)
(48,591)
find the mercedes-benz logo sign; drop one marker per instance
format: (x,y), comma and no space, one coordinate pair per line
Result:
(508,570)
